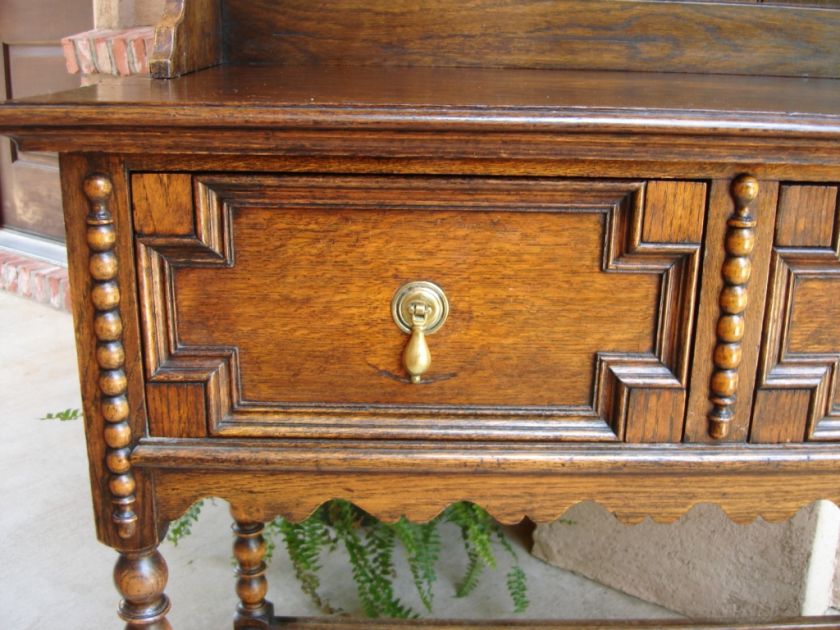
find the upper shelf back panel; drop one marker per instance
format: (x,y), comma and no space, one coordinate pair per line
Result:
(783,39)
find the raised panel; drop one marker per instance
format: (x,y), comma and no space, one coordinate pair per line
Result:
(805,217)
(176,409)
(565,322)
(797,396)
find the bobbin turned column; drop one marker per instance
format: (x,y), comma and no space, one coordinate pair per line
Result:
(139,575)
(141,578)
(737,269)
(253,610)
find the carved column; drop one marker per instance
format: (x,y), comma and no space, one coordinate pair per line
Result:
(737,268)
(140,578)
(253,611)
(110,354)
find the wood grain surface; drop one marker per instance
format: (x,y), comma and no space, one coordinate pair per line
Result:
(74,170)
(260,93)
(591,34)
(797,396)
(531,347)
(468,114)
(721,206)
(188,37)
(264,215)
(664,495)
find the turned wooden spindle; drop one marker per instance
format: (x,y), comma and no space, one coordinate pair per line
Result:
(110,354)
(141,577)
(253,610)
(737,268)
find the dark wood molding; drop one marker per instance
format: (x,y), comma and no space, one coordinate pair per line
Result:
(188,37)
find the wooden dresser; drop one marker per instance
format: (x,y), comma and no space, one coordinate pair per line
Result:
(522,253)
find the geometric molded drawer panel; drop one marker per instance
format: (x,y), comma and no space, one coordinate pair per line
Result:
(797,397)
(266,305)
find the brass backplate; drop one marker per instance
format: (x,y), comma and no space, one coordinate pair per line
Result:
(420,295)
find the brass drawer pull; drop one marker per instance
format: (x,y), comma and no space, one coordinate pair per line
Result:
(419,308)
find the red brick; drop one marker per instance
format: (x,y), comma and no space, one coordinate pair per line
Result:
(101,44)
(84,52)
(127,42)
(57,287)
(70,59)
(8,281)
(38,284)
(119,50)
(27,277)
(139,56)
(23,286)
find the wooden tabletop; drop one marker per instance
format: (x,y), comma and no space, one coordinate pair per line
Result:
(279,96)
(445,113)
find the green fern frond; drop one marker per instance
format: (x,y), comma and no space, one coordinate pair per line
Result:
(304,543)
(518,589)
(371,561)
(476,529)
(475,567)
(422,546)
(65,415)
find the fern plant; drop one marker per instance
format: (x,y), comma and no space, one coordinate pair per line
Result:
(370,546)
(65,415)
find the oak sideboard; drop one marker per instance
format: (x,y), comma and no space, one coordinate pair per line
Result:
(522,253)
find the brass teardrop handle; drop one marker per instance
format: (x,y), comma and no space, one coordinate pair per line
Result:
(419,309)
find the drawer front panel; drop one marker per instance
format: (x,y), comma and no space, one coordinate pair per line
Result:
(798,397)
(266,305)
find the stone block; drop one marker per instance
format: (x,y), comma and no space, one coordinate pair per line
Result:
(704,565)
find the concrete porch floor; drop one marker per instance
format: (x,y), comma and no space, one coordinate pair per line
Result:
(56,574)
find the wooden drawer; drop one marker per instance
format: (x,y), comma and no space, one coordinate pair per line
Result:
(797,396)
(266,305)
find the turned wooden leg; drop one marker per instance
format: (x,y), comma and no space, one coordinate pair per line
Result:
(140,578)
(253,611)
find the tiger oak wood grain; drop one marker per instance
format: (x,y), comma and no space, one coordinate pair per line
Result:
(510,322)
(596,34)
(721,206)
(163,204)
(75,168)
(177,409)
(800,352)
(807,216)
(603,167)
(187,38)
(509,498)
